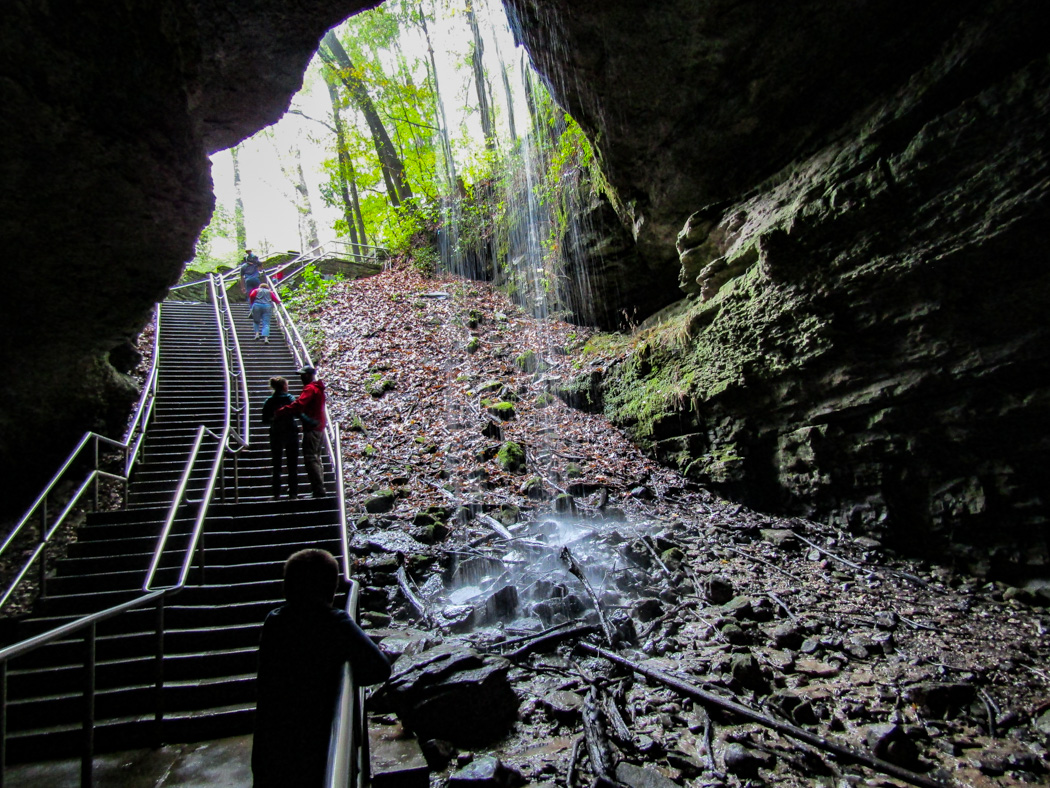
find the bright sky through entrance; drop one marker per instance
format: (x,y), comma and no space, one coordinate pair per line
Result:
(271,218)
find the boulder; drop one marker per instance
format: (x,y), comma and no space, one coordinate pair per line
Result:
(451,692)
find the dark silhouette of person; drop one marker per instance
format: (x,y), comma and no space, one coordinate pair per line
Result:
(309,406)
(304,645)
(284,437)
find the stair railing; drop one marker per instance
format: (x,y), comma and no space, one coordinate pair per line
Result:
(236,382)
(150,596)
(214,475)
(88,623)
(348,743)
(360,253)
(87,449)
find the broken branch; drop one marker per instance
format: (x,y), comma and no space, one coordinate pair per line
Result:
(828,745)
(577,571)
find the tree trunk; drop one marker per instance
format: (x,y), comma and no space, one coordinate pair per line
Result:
(307,223)
(476,60)
(446,143)
(393,169)
(238,202)
(345,166)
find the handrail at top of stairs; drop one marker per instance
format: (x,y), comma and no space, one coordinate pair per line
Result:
(130,446)
(297,265)
(234,369)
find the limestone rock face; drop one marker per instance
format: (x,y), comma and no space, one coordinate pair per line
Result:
(865,330)
(109,111)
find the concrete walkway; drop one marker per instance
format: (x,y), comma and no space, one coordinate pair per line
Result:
(224,763)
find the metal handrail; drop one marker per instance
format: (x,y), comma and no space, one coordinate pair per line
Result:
(347,764)
(323,250)
(150,595)
(89,623)
(130,446)
(344,770)
(236,369)
(144,409)
(319,252)
(213,476)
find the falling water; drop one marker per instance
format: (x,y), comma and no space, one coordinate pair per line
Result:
(535,252)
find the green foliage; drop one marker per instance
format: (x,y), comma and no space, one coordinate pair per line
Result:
(311,291)
(220,226)
(511,457)
(377,385)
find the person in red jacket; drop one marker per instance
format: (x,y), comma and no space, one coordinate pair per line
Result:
(309,407)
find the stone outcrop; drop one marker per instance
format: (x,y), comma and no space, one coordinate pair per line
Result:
(109,112)
(864,337)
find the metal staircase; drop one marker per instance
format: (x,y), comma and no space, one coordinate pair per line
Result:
(179,665)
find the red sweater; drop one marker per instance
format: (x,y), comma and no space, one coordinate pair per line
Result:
(309,404)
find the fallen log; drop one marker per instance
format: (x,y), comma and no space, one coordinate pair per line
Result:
(495,525)
(707,698)
(542,641)
(577,571)
(405,584)
(598,751)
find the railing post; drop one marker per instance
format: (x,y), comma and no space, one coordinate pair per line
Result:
(42,581)
(158,710)
(95,485)
(200,555)
(87,755)
(3,721)
(127,476)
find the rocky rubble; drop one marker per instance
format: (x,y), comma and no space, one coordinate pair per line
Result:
(483,581)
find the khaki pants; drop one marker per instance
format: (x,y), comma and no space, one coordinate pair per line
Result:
(312,461)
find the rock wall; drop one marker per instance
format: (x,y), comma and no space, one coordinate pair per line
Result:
(108,111)
(864,338)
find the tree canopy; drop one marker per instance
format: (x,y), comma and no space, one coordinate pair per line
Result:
(412,116)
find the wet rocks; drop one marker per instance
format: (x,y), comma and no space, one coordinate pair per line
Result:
(485,771)
(890,742)
(938,700)
(745,761)
(451,692)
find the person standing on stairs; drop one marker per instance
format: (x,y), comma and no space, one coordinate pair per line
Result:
(303,647)
(309,406)
(284,437)
(251,272)
(262,300)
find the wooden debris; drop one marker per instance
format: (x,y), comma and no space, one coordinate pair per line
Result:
(577,571)
(710,699)
(598,751)
(405,584)
(547,640)
(495,525)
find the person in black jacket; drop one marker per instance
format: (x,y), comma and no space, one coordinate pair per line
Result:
(284,437)
(304,645)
